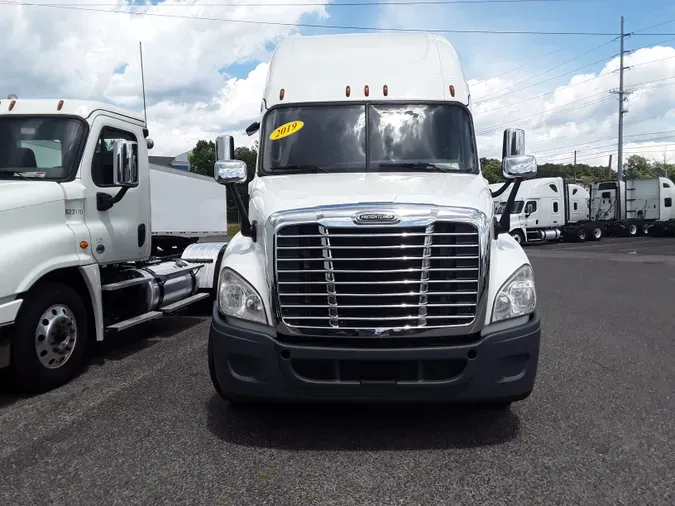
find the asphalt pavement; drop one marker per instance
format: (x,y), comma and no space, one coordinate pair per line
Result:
(143,425)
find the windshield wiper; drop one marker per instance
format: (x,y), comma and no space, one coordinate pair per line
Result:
(412,165)
(300,168)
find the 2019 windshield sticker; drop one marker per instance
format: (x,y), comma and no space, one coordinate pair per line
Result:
(287,129)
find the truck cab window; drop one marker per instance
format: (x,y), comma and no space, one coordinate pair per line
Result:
(668,202)
(531,207)
(37,148)
(555,207)
(576,206)
(102,162)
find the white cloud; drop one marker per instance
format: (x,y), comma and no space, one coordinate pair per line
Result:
(583,114)
(76,53)
(81,54)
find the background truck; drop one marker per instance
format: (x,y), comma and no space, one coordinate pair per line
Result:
(370,265)
(635,207)
(81,215)
(549,209)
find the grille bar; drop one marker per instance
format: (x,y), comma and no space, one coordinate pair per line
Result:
(401,246)
(365,259)
(363,282)
(421,234)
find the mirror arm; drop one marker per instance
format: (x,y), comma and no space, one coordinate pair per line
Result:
(105,201)
(248,229)
(502,189)
(503,226)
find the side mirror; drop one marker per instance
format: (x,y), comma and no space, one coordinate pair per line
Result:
(519,167)
(230,171)
(226,169)
(125,162)
(515,163)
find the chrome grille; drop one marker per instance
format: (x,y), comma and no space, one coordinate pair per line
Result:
(382,277)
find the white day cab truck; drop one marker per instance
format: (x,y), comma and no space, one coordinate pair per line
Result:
(548,209)
(93,241)
(634,207)
(370,265)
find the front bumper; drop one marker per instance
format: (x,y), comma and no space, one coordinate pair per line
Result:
(250,363)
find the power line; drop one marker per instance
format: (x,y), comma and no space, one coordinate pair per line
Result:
(576,146)
(518,121)
(563,88)
(546,115)
(552,68)
(304,25)
(561,75)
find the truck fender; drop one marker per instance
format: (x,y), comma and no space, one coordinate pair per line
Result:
(92,278)
(209,254)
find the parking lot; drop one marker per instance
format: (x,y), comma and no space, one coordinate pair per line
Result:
(143,425)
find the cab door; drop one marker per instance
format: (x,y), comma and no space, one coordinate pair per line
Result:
(531,214)
(556,212)
(120,233)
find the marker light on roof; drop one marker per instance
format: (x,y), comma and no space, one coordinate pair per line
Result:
(282,92)
(366,90)
(11,104)
(60,105)
(452,90)
(348,91)
(385,90)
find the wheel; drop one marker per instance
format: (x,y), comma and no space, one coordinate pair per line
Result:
(49,339)
(596,234)
(645,229)
(580,235)
(632,230)
(518,236)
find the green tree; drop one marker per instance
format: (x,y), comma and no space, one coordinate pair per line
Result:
(638,167)
(202,158)
(492,170)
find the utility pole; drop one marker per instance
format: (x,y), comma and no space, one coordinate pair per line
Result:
(575,165)
(609,168)
(622,111)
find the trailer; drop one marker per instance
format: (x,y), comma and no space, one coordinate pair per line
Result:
(185,208)
(94,241)
(634,207)
(549,209)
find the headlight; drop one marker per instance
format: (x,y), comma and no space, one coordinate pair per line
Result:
(516,297)
(237,298)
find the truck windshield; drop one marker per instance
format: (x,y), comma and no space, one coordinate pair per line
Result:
(517,207)
(368,137)
(34,148)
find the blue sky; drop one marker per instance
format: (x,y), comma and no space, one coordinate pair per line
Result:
(189,64)
(486,55)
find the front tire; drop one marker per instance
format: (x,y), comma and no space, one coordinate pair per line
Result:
(49,340)
(518,236)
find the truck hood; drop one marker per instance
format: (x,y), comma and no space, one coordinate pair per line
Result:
(271,194)
(17,194)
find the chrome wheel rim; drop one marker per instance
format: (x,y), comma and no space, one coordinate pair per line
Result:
(55,336)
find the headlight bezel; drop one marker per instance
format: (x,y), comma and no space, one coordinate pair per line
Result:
(228,277)
(523,274)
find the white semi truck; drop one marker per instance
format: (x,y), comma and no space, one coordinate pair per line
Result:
(93,241)
(549,209)
(370,265)
(635,207)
